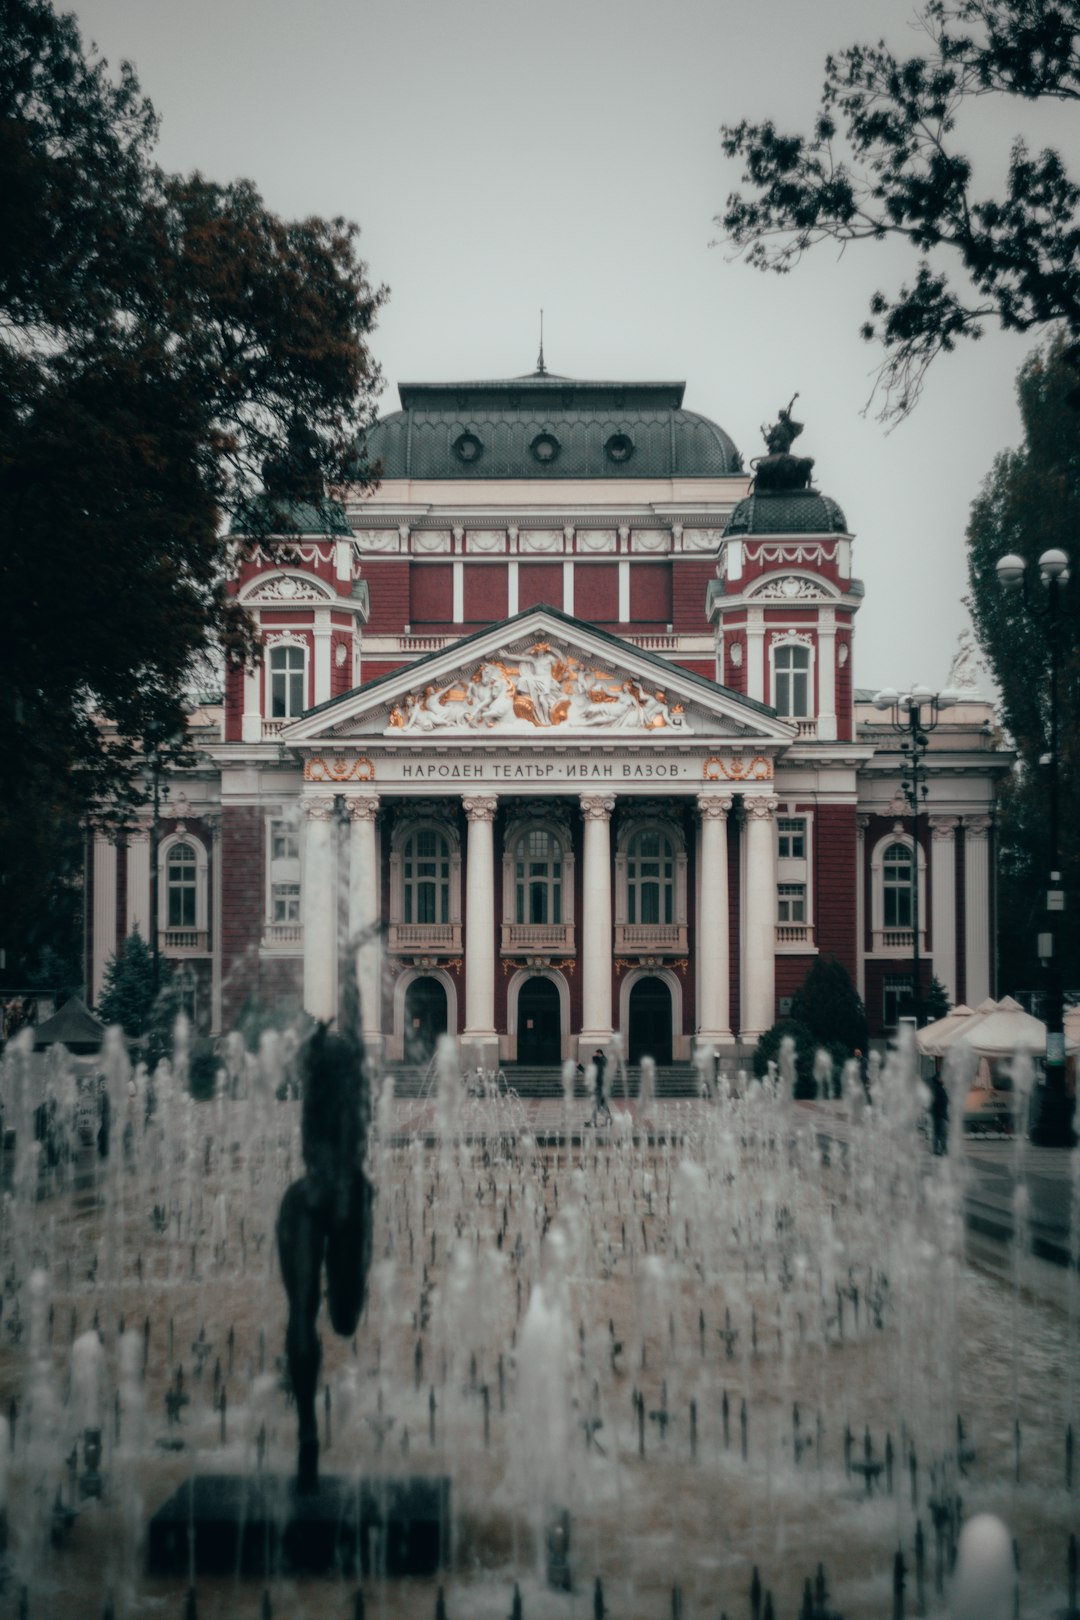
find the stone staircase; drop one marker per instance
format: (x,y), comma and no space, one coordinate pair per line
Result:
(672,1080)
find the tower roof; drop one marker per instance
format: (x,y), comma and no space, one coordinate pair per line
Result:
(787,511)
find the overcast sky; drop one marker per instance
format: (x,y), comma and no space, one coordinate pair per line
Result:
(500,156)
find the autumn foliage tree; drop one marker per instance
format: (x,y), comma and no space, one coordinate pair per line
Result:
(162,338)
(885,160)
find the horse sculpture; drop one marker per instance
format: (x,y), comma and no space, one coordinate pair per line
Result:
(325,1216)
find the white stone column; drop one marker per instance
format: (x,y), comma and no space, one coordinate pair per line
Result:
(319,905)
(826,650)
(943,900)
(596,936)
(322,636)
(713,931)
(479,1038)
(216,985)
(104,912)
(978,946)
(759,911)
(251,724)
(861,824)
(138,887)
(364,910)
(755,653)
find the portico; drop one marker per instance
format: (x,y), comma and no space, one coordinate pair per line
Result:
(583,833)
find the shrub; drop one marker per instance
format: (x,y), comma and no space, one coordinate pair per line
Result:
(768,1051)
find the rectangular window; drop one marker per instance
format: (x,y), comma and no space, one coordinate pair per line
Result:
(181,906)
(285,902)
(896,998)
(284,841)
(791,837)
(897,907)
(791,903)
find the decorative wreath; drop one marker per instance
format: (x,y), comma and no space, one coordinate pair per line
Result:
(467,447)
(545,447)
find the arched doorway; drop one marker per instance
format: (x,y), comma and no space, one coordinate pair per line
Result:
(650,1021)
(539,1039)
(425,1018)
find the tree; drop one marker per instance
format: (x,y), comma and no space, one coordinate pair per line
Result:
(883,161)
(129,993)
(162,338)
(1030,503)
(829,1005)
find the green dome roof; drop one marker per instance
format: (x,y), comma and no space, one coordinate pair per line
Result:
(543,426)
(269,514)
(787,511)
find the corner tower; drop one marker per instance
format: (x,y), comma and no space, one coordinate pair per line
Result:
(784,602)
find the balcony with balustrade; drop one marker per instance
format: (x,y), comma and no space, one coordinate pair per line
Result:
(424,939)
(650,939)
(538,939)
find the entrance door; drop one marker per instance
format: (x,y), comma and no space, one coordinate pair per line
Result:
(539,1037)
(650,1021)
(425,1018)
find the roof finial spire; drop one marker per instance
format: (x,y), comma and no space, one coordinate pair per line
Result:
(541,369)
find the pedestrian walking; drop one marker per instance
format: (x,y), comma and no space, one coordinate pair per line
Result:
(600,1104)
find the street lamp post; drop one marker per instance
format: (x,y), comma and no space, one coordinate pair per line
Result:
(1054,1126)
(913,715)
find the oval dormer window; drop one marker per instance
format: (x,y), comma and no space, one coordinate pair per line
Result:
(545,447)
(620,447)
(467,447)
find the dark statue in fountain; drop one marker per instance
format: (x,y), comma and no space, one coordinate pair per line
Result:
(325,1217)
(781,470)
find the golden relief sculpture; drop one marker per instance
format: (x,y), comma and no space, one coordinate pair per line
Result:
(543,688)
(737,768)
(339,768)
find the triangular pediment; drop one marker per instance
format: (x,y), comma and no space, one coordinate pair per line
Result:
(541,675)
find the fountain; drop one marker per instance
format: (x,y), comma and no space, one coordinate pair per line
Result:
(730,1347)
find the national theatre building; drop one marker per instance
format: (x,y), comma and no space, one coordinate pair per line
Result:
(562,720)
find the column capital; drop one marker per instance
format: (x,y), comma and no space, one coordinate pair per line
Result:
(760,806)
(480,806)
(317,806)
(362,806)
(597,806)
(943,828)
(977,827)
(715,806)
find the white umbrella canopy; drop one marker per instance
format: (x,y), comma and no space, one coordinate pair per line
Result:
(964,1026)
(1006,1030)
(928,1038)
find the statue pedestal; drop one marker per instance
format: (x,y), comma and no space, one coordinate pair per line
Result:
(257,1524)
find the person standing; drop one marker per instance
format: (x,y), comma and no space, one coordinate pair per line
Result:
(600,1104)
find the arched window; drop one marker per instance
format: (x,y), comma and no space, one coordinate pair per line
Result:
(538,876)
(181,887)
(650,877)
(896,886)
(287,682)
(425,876)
